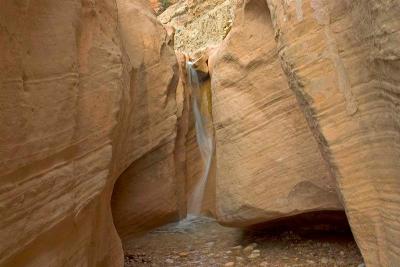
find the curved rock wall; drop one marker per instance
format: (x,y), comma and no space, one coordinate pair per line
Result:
(60,96)
(148,192)
(342,60)
(305,106)
(268,163)
(82,97)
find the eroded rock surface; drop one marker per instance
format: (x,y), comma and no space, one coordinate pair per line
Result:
(60,97)
(199,23)
(147,194)
(305,106)
(83,96)
(342,59)
(268,164)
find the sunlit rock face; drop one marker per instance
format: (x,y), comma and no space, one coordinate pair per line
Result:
(342,60)
(83,96)
(60,73)
(268,163)
(199,23)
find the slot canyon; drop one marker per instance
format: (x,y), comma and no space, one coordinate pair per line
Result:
(199,133)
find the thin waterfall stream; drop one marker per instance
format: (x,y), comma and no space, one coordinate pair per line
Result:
(204,139)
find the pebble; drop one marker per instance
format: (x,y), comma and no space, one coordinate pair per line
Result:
(324,261)
(237,247)
(310,262)
(248,249)
(264,264)
(229,252)
(169,261)
(342,253)
(183,254)
(229,264)
(254,255)
(239,259)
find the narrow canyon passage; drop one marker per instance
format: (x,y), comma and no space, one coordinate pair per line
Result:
(309,239)
(214,133)
(256,149)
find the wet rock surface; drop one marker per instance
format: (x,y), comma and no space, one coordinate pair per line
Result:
(203,242)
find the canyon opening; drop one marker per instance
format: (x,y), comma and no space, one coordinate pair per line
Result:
(199,133)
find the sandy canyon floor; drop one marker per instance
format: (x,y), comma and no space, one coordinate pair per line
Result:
(200,241)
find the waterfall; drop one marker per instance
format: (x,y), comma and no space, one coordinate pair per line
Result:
(204,140)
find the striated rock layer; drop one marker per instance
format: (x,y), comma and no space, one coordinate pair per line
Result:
(342,60)
(305,104)
(60,99)
(148,192)
(82,96)
(268,164)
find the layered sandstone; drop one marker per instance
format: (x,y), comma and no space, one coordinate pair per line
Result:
(148,192)
(342,60)
(268,164)
(80,102)
(60,97)
(305,104)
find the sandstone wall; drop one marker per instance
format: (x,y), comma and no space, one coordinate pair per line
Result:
(147,193)
(342,60)
(268,164)
(60,96)
(305,107)
(82,97)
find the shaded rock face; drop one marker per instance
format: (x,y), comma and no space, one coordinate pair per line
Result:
(268,164)
(148,192)
(342,60)
(83,96)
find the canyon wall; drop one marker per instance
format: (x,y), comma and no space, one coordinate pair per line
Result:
(83,96)
(305,104)
(305,108)
(60,98)
(268,163)
(148,192)
(342,60)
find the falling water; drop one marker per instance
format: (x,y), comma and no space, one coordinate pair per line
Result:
(204,141)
